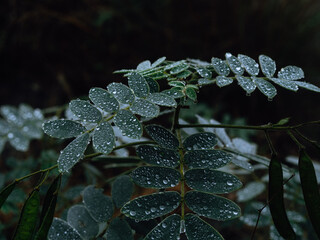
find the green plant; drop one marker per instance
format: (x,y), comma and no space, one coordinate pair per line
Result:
(180,164)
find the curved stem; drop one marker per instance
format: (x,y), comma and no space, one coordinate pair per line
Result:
(37,172)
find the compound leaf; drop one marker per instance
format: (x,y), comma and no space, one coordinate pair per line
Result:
(246,83)
(234,64)
(138,84)
(104,100)
(200,141)
(152,206)
(122,189)
(128,124)
(62,230)
(250,65)
(162,136)
(220,66)
(268,66)
(63,128)
(308,86)
(291,73)
(103,138)
(119,229)
(145,108)
(121,92)
(162,99)
(290,85)
(211,159)
(85,111)
(222,81)
(4,194)
(265,87)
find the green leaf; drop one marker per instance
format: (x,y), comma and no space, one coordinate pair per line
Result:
(174,64)
(28,218)
(212,181)
(138,84)
(99,206)
(191,93)
(121,92)
(223,81)
(72,153)
(103,138)
(250,191)
(290,85)
(200,141)
(162,99)
(204,81)
(11,115)
(175,92)
(80,219)
(246,83)
(4,194)
(184,74)
(62,230)
(144,65)
(162,136)
(197,229)
(310,189)
(153,85)
(128,124)
(192,86)
(179,68)
(155,177)
(168,229)
(250,65)
(220,66)
(85,111)
(204,72)
(63,128)
(268,66)
(158,62)
(276,201)
(4,127)
(212,206)
(265,87)
(18,141)
(158,156)
(291,73)
(104,100)
(211,159)
(119,229)
(152,206)
(122,189)
(177,84)
(308,86)
(145,108)
(282,122)
(234,64)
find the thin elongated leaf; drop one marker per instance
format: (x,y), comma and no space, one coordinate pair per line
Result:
(276,201)
(152,206)
(204,72)
(212,206)
(63,128)
(62,230)
(291,73)
(175,92)
(85,111)
(145,108)
(200,141)
(290,85)
(158,62)
(12,115)
(246,83)
(99,206)
(265,87)
(184,74)
(80,219)
(153,85)
(128,124)
(72,153)
(121,92)
(168,229)
(155,177)
(104,100)
(179,69)
(250,65)
(310,189)
(220,66)
(250,191)
(223,81)
(18,141)
(103,138)
(28,218)
(234,64)
(158,156)
(197,229)
(162,99)
(211,159)
(174,64)
(181,84)
(162,136)
(212,181)
(308,86)
(191,93)
(122,189)
(4,194)
(119,229)
(268,66)
(138,84)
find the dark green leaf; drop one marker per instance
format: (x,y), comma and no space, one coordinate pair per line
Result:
(204,72)
(138,84)
(162,99)
(145,108)
(103,138)
(177,84)
(191,93)
(212,206)
(197,229)
(175,92)
(234,64)
(211,159)
(128,124)
(85,111)
(265,87)
(179,68)
(63,128)
(251,66)
(152,206)
(200,141)
(184,74)
(122,189)
(212,181)
(4,194)
(119,230)
(156,177)
(62,230)
(168,229)
(223,81)
(291,73)
(121,92)
(104,100)
(153,85)
(28,218)
(220,66)
(162,136)
(268,66)
(246,83)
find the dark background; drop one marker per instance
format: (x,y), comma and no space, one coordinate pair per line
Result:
(52,51)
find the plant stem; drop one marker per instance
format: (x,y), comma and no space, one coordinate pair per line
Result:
(37,172)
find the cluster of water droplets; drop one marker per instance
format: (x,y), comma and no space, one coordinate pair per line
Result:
(128,124)
(207,159)
(85,111)
(222,81)
(249,64)
(220,66)
(145,108)
(162,99)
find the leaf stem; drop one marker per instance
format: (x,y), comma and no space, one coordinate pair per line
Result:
(37,172)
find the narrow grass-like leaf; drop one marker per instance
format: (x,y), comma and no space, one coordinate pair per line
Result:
(191,93)
(72,153)
(63,128)
(62,230)
(197,229)
(265,87)
(222,81)
(145,108)
(212,181)
(220,66)
(128,124)
(138,84)
(152,206)
(28,218)
(268,66)
(291,73)
(246,83)
(121,92)
(290,85)
(276,201)
(103,138)
(119,229)
(234,64)
(310,189)
(308,86)
(200,141)
(153,85)
(211,159)
(162,136)
(162,99)
(85,111)
(175,92)
(251,66)
(122,189)
(212,206)
(156,177)
(104,100)
(168,229)
(99,206)
(4,194)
